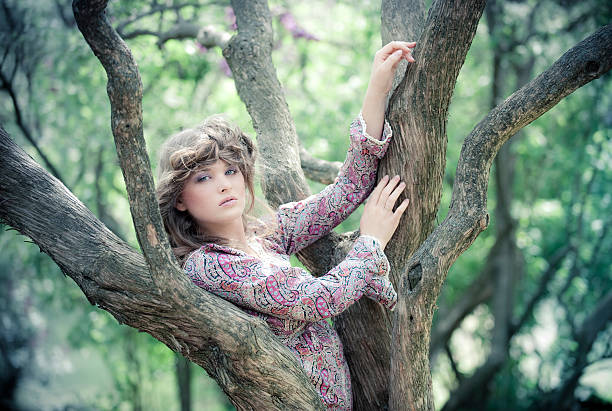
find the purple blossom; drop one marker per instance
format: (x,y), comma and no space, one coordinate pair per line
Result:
(291,25)
(230,17)
(225,68)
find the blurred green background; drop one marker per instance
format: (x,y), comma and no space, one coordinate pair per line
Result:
(59,352)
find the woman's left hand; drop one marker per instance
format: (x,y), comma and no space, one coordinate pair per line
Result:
(383,70)
(378,219)
(385,63)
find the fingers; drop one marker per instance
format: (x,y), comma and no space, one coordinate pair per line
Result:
(390,203)
(375,195)
(378,218)
(387,192)
(401,208)
(391,48)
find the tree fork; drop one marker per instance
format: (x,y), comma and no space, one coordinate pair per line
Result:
(467,215)
(251,366)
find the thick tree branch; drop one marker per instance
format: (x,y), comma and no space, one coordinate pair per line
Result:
(172,286)
(585,62)
(401,20)
(242,355)
(249,54)
(437,62)
(315,169)
(467,216)
(427,85)
(125,94)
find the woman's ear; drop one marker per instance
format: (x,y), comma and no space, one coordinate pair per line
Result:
(180,205)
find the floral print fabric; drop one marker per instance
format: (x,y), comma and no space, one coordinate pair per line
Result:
(293,303)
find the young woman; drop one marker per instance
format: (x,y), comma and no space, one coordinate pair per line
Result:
(205,191)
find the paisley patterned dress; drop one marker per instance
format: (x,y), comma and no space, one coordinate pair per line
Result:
(293,303)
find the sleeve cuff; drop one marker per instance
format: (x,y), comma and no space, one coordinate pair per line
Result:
(378,244)
(387,133)
(380,288)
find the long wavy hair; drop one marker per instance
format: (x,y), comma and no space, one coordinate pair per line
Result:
(188,152)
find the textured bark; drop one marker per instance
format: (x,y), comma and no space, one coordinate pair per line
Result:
(505,259)
(249,56)
(467,216)
(365,329)
(242,355)
(417,112)
(251,366)
(401,20)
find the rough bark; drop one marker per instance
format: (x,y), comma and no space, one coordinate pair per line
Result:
(365,329)
(249,56)
(242,355)
(467,217)
(401,20)
(505,259)
(417,112)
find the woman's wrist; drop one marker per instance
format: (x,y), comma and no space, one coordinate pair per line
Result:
(373,113)
(375,238)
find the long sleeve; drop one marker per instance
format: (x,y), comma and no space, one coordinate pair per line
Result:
(291,292)
(303,222)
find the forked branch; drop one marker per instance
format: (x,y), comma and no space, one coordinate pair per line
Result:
(426,270)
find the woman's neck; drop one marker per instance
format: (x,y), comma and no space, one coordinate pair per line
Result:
(234,233)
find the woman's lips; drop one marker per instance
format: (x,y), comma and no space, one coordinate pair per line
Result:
(228,203)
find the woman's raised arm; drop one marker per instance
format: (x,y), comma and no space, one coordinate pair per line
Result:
(383,70)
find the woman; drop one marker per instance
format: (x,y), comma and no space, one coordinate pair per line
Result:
(205,192)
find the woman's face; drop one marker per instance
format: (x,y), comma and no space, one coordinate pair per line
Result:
(215,197)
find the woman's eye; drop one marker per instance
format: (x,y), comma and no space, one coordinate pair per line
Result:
(203,178)
(231,171)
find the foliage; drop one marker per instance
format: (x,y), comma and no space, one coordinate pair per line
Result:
(562,185)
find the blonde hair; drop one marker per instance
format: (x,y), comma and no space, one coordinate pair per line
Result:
(188,152)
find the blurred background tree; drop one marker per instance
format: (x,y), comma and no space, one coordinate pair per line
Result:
(520,323)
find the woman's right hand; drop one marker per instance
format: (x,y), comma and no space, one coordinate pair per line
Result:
(378,219)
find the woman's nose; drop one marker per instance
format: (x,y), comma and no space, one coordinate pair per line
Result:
(224,184)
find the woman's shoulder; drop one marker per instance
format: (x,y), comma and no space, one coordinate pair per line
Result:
(193,257)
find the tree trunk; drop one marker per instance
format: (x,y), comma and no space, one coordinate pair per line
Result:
(242,355)
(183,381)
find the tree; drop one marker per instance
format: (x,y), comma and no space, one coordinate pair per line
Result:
(252,368)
